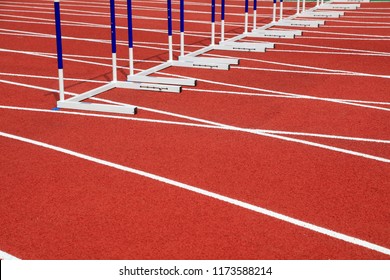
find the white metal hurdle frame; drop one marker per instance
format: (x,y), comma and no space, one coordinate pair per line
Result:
(146,83)
(183,61)
(174,84)
(76,101)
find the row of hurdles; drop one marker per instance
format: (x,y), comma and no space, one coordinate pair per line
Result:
(143,81)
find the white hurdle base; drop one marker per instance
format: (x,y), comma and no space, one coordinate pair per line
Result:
(340,6)
(287,34)
(190,58)
(159,80)
(77,104)
(245,47)
(328,14)
(150,87)
(205,62)
(118,109)
(300,23)
(203,65)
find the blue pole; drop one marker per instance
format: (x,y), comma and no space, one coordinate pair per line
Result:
(223,10)
(113,27)
(58,34)
(169,10)
(212,10)
(246,6)
(182,27)
(255,5)
(130,23)
(181,15)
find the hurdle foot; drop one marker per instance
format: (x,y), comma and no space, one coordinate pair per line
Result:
(281,34)
(244,47)
(160,80)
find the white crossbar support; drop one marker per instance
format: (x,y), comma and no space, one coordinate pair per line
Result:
(92,92)
(329,14)
(209,60)
(298,6)
(340,6)
(300,23)
(248,47)
(149,87)
(290,34)
(303,5)
(160,80)
(124,109)
(216,66)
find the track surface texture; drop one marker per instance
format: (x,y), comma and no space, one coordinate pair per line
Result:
(284,156)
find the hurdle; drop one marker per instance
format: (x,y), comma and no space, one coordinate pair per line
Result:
(174,84)
(75,102)
(233,45)
(265,32)
(191,60)
(292,21)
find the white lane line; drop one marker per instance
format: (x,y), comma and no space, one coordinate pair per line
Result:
(6,256)
(326,47)
(256,132)
(358,103)
(255,89)
(309,97)
(347,39)
(329,73)
(345,34)
(281,96)
(229,200)
(319,70)
(360,22)
(325,52)
(196,125)
(192,89)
